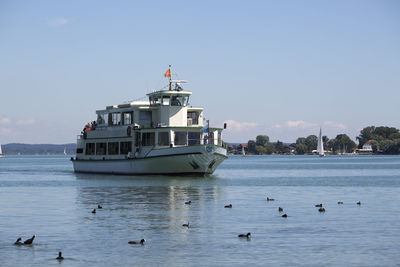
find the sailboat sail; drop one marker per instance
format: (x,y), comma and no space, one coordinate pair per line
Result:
(320,146)
(243,153)
(1,152)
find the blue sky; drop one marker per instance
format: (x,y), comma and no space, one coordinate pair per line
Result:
(280,68)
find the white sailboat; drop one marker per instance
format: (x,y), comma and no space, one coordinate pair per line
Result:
(243,152)
(320,146)
(1,152)
(65,151)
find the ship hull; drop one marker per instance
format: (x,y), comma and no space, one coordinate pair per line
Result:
(189,160)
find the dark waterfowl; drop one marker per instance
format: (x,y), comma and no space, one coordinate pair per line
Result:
(188,202)
(60,257)
(340,202)
(280,209)
(228,206)
(359,203)
(30,240)
(186,225)
(318,205)
(94,211)
(284,215)
(99,207)
(245,235)
(18,242)
(270,199)
(321,210)
(141,242)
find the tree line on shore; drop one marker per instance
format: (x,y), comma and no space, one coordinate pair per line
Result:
(383,139)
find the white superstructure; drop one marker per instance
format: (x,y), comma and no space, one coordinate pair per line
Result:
(162,136)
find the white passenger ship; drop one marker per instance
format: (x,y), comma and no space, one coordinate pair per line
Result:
(162,136)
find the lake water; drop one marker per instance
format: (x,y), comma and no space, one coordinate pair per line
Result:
(43,196)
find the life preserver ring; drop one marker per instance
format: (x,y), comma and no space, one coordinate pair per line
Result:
(128,131)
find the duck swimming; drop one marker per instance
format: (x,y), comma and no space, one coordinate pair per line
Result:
(321,210)
(318,205)
(188,202)
(270,199)
(280,209)
(359,203)
(141,242)
(18,242)
(228,206)
(284,215)
(60,257)
(245,235)
(99,207)
(30,240)
(94,211)
(340,202)
(186,225)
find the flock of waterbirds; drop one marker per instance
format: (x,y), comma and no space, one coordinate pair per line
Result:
(187,225)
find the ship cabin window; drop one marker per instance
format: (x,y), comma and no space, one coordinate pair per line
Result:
(194,138)
(125,148)
(101,119)
(193,118)
(113,148)
(176,101)
(101,149)
(179,100)
(163,139)
(155,100)
(145,118)
(127,117)
(180,138)
(148,139)
(209,138)
(165,100)
(114,118)
(90,148)
(79,150)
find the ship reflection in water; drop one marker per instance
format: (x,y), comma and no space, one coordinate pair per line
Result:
(146,203)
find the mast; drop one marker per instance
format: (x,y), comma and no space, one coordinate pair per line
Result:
(320,144)
(170,78)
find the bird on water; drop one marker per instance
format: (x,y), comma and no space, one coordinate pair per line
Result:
(228,206)
(99,206)
(340,202)
(318,205)
(141,242)
(270,199)
(188,202)
(186,225)
(280,209)
(284,215)
(321,210)
(94,211)
(245,235)
(30,240)
(60,257)
(359,203)
(18,242)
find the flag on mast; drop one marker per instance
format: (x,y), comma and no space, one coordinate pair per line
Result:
(167,73)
